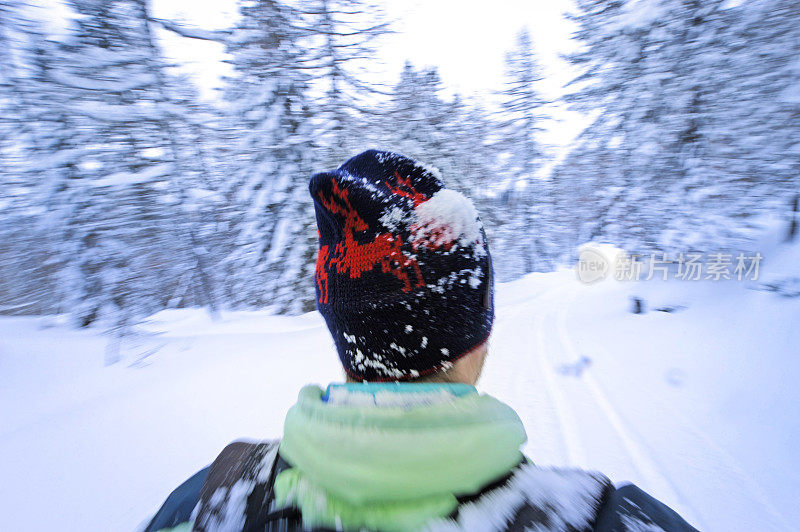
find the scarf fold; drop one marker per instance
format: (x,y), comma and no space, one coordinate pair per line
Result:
(392,457)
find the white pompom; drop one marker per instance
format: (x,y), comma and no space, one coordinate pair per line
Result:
(448,216)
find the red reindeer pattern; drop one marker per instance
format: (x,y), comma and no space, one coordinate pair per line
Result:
(353,257)
(410,192)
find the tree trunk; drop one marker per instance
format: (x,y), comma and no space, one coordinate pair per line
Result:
(793,229)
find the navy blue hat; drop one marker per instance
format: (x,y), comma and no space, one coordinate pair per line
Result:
(404,276)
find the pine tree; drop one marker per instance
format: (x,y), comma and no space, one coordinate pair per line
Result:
(415,122)
(341,36)
(612,63)
(757,109)
(528,197)
(129,227)
(189,173)
(273,160)
(41,152)
(646,79)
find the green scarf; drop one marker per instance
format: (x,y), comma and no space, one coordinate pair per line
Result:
(393,467)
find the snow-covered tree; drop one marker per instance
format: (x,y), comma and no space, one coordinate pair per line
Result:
(527,197)
(340,39)
(653,76)
(113,174)
(416,119)
(757,107)
(39,153)
(273,160)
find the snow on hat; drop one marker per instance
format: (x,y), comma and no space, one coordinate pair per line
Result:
(404,276)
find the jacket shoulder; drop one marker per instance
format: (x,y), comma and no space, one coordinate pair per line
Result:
(238,483)
(196,495)
(177,509)
(630,508)
(534,498)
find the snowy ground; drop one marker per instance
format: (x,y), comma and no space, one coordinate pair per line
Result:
(699,407)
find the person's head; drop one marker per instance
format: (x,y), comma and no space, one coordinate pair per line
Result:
(404,277)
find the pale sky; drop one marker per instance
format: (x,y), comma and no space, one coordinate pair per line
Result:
(468,40)
(465,39)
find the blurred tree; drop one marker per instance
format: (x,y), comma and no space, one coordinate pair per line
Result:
(527,198)
(645,80)
(179,117)
(415,120)
(109,150)
(690,135)
(32,125)
(340,39)
(758,107)
(273,160)
(9,95)
(614,88)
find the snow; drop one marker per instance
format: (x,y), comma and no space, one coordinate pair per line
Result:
(393,218)
(118,85)
(279,239)
(639,13)
(446,217)
(700,406)
(730,4)
(227,506)
(572,494)
(791,94)
(202,194)
(105,112)
(192,32)
(121,179)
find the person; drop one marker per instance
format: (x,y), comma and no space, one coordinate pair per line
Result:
(404,283)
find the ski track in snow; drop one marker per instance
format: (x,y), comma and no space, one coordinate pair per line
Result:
(531,395)
(641,461)
(728,474)
(564,402)
(576,456)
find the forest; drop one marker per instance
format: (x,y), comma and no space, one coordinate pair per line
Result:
(123,192)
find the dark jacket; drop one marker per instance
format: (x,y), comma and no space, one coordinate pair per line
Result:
(592,502)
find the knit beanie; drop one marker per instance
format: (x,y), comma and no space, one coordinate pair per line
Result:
(404,276)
